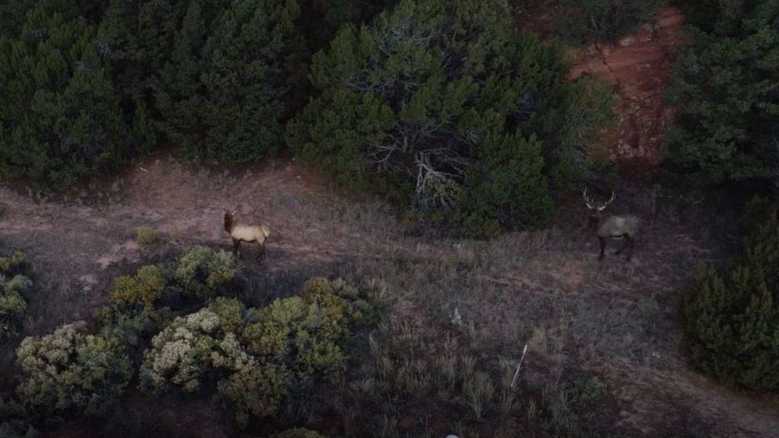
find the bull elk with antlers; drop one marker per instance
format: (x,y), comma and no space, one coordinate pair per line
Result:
(612,226)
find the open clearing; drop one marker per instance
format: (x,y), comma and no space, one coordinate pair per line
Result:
(615,319)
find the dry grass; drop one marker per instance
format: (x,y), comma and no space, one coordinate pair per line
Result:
(545,289)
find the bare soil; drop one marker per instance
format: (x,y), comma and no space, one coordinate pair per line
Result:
(615,318)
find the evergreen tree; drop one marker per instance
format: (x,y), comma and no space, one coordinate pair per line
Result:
(445,107)
(60,115)
(215,74)
(603,20)
(732,318)
(726,86)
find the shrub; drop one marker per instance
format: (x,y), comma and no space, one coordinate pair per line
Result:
(603,20)
(14,285)
(200,351)
(724,88)
(252,358)
(732,318)
(71,372)
(147,236)
(306,333)
(184,353)
(144,288)
(13,264)
(60,119)
(202,272)
(254,389)
(12,303)
(438,103)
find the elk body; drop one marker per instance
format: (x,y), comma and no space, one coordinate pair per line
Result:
(612,226)
(245,233)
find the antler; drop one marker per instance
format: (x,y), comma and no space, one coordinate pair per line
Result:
(586,198)
(603,207)
(590,203)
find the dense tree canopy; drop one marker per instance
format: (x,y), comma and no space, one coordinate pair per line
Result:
(448,105)
(60,117)
(727,88)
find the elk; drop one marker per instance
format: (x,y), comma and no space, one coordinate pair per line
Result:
(245,233)
(611,226)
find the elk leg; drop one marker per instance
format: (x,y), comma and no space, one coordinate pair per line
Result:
(236,244)
(632,242)
(602,241)
(262,251)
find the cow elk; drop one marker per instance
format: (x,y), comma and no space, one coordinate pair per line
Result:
(611,226)
(245,233)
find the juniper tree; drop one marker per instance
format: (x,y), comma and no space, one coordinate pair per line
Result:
(594,20)
(732,317)
(445,106)
(726,86)
(60,117)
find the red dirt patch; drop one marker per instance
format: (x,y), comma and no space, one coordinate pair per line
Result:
(639,66)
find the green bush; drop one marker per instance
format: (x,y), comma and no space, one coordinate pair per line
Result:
(203,272)
(201,351)
(144,288)
(15,284)
(251,358)
(438,103)
(69,372)
(147,236)
(724,87)
(603,20)
(732,317)
(13,264)
(186,351)
(306,333)
(61,117)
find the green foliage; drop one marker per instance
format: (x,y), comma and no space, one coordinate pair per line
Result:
(147,236)
(14,285)
(186,351)
(725,88)
(306,333)
(14,430)
(254,389)
(732,317)
(70,372)
(252,358)
(60,119)
(320,20)
(203,272)
(603,20)
(13,264)
(217,73)
(144,288)
(438,103)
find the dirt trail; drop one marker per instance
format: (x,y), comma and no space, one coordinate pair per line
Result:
(78,247)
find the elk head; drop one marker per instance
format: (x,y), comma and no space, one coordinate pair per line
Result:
(596,210)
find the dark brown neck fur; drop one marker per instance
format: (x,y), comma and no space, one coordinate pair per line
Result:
(229,222)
